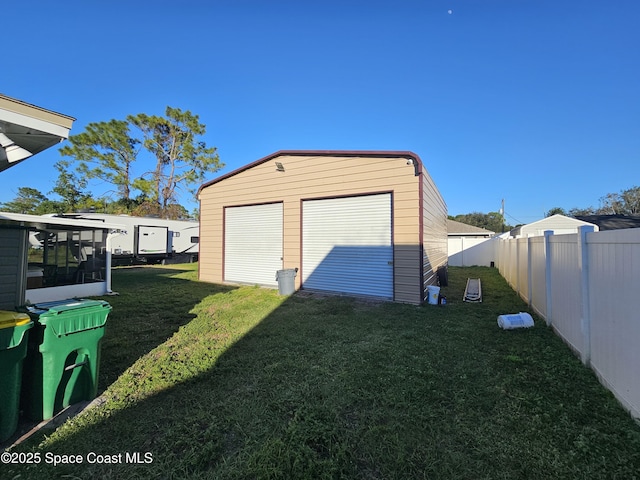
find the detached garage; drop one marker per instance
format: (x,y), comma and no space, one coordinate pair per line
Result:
(356,223)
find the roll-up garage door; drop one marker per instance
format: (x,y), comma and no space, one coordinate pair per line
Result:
(253,244)
(346,245)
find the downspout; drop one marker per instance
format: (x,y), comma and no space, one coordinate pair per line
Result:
(417,172)
(107,275)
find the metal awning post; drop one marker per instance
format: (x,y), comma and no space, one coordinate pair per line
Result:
(107,273)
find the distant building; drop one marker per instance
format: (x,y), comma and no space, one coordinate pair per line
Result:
(559,224)
(469,245)
(459,229)
(612,222)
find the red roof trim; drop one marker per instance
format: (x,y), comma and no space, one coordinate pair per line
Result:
(321,153)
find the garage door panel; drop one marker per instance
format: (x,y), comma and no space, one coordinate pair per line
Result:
(347,245)
(253,244)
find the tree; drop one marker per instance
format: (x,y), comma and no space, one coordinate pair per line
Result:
(28,200)
(631,199)
(110,150)
(181,159)
(556,211)
(105,150)
(70,188)
(575,212)
(492,221)
(627,202)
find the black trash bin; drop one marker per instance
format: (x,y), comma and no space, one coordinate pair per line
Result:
(443,276)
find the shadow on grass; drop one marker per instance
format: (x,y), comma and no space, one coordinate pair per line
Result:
(329,387)
(151,305)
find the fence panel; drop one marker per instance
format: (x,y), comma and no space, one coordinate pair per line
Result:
(614,283)
(501,254)
(469,252)
(538,299)
(522,270)
(504,248)
(501,249)
(565,289)
(606,331)
(512,263)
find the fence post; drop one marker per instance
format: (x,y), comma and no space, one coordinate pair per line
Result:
(517,279)
(547,273)
(583,266)
(529,274)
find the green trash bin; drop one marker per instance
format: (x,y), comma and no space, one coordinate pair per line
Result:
(14,331)
(63,357)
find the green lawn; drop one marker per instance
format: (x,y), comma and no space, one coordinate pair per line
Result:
(221,382)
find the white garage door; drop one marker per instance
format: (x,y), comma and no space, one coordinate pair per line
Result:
(346,245)
(253,244)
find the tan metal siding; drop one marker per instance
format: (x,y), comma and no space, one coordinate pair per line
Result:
(434,231)
(318,176)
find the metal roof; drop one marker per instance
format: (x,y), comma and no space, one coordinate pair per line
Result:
(417,162)
(458,228)
(612,222)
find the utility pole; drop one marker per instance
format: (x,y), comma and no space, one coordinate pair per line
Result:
(502,214)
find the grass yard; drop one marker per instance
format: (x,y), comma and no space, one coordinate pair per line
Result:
(233,383)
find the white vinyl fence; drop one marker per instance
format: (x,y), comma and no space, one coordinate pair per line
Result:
(468,252)
(587,287)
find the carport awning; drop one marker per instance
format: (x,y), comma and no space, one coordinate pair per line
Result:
(26,130)
(44,222)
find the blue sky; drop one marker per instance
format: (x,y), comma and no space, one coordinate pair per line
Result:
(533,101)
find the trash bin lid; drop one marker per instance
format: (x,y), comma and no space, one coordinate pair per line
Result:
(286,273)
(69,316)
(61,306)
(9,319)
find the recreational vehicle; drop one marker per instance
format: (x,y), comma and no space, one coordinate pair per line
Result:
(149,239)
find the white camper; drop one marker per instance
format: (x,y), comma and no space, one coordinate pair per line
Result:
(150,239)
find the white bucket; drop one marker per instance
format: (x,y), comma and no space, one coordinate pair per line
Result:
(432,294)
(515,320)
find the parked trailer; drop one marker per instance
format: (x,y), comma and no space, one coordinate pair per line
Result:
(150,239)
